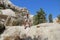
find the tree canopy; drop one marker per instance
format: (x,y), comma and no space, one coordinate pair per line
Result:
(40,17)
(50,18)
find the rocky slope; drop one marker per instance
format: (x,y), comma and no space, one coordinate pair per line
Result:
(46,31)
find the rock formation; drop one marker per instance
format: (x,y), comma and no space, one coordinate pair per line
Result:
(46,31)
(12,12)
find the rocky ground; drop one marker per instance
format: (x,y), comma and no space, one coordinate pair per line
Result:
(45,31)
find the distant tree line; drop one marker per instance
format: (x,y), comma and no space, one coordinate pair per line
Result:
(41,17)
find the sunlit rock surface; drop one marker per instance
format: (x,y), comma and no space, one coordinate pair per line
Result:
(46,31)
(8,12)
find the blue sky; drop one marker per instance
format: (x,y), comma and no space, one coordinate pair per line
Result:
(49,6)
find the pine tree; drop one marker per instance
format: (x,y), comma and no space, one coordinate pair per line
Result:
(58,18)
(35,20)
(50,18)
(40,17)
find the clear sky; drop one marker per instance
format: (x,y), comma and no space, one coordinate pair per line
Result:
(49,6)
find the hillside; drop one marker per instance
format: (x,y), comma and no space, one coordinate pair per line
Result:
(12,14)
(16,23)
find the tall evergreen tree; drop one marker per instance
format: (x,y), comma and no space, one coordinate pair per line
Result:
(50,18)
(35,20)
(58,17)
(40,17)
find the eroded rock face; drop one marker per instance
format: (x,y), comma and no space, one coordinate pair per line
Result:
(50,32)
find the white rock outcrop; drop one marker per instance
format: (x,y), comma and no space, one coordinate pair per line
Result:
(8,12)
(46,31)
